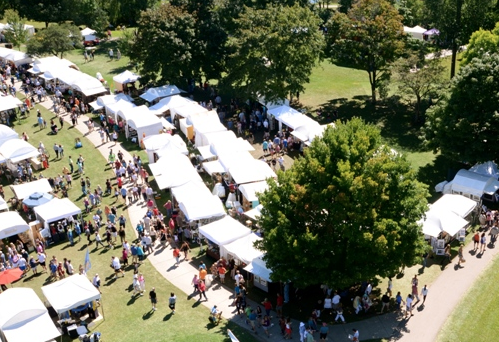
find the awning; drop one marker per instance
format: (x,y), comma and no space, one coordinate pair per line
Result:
(205,152)
(258,268)
(95,105)
(250,190)
(213,166)
(254,213)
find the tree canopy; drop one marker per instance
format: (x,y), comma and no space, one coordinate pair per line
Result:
(273,51)
(345,212)
(165,44)
(54,40)
(369,37)
(481,41)
(16,33)
(464,125)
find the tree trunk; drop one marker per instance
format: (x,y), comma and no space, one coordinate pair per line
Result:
(418,108)
(454,39)
(46,24)
(372,80)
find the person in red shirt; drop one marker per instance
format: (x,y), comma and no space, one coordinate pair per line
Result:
(268,306)
(120,182)
(155,211)
(176,255)
(279,304)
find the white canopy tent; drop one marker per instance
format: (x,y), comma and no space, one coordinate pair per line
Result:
(24,317)
(258,267)
(16,150)
(254,213)
(159,92)
(7,133)
(169,102)
(459,205)
(70,293)
(242,249)
(281,110)
(56,209)
(487,169)
(23,191)
(294,120)
(187,110)
(16,57)
(251,171)
(77,80)
(209,124)
(29,28)
(40,65)
(233,159)
(122,105)
(145,124)
(415,32)
(250,190)
(126,77)
(224,231)
(103,101)
(8,102)
(11,223)
(164,144)
(219,138)
(88,34)
(174,170)
(197,202)
(3,206)
(213,166)
(230,146)
(437,221)
(270,105)
(206,153)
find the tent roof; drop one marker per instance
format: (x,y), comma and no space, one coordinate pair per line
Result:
(16,57)
(122,105)
(22,191)
(197,202)
(9,102)
(26,318)
(87,31)
(145,119)
(442,220)
(213,166)
(174,170)
(219,138)
(415,29)
(295,119)
(471,183)
(235,158)
(40,65)
(16,150)
(126,77)
(270,104)
(243,248)
(160,92)
(487,169)
(169,102)
(189,109)
(57,209)
(249,190)
(255,212)
(113,98)
(7,133)
(156,142)
(224,231)
(457,204)
(71,292)
(251,171)
(3,205)
(259,268)
(11,223)
(175,146)
(285,109)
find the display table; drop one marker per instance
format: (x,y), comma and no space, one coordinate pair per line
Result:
(213,252)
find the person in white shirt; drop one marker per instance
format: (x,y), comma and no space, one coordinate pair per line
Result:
(41,260)
(115,262)
(96,282)
(408,305)
(424,293)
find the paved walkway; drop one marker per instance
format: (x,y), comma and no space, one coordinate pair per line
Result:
(444,294)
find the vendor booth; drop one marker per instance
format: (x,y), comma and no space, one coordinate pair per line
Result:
(145,124)
(7,133)
(40,65)
(251,171)
(8,102)
(157,93)
(15,57)
(254,213)
(165,104)
(174,170)
(261,274)
(470,184)
(16,150)
(242,250)
(24,317)
(122,105)
(53,211)
(103,101)
(73,297)
(24,190)
(11,223)
(250,191)
(222,232)
(197,202)
(415,32)
(121,80)
(187,110)
(165,143)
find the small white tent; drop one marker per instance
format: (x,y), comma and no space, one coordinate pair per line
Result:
(159,92)
(16,57)
(259,269)
(224,231)
(242,249)
(24,317)
(105,100)
(69,293)
(56,209)
(124,78)
(8,102)
(472,185)
(251,171)
(415,32)
(169,102)
(164,143)
(250,190)
(145,124)
(197,202)
(16,150)
(7,133)
(174,170)
(11,223)
(23,191)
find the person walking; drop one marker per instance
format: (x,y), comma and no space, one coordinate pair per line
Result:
(96,282)
(355,336)
(424,293)
(476,241)
(202,289)
(415,291)
(115,263)
(98,240)
(153,298)
(171,302)
(176,255)
(408,306)
(460,256)
(483,242)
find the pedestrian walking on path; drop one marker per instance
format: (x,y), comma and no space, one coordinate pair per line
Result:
(171,302)
(202,289)
(483,242)
(415,291)
(476,241)
(408,306)
(424,293)
(153,298)
(460,256)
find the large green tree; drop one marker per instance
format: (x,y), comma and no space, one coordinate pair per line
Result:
(345,212)
(418,79)
(464,125)
(369,37)
(47,11)
(90,13)
(273,51)
(165,45)
(16,33)
(481,41)
(55,40)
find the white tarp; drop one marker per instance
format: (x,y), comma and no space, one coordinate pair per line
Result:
(197,202)
(213,166)
(459,205)
(77,80)
(11,223)
(281,110)
(259,268)
(294,120)
(24,190)
(126,77)
(40,65)
(269,105)
(8,102)
(169,102)
(437,221)
(187,110)
(250,190)
(242,249)
(176,145)
(415,32)
(236,145)
(224,231)
(174,170)
(157,142)
(16,150)
(203,127)
(103,101)
(70,293)
(220,138)
(231,159)
(160,92)
(251,171)
(254,213)
(146,124)
(205,152)
(16,57)
(56,209)
(3,206)
(24,317)
(7,133)
(122,105)
(473,185)
(487,169)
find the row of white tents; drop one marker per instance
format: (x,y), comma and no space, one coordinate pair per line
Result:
(16,57)
(13,149)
